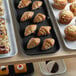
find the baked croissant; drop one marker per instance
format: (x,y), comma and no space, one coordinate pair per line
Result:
(33,42)
(27,15)
(44,30)
(39,18)
(24,3)
(30,29)
(48,43)
(36,5)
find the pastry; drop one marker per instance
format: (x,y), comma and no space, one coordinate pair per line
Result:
(4,45)
(24,3)
(65,17)
(60,4)
(39,18)
(70,1)
(48,43)
(20,68)
(27,15)
(1,11)
(30,29)
(4,70)
(70,32)
(44,30)
(33,42)
(73,8)
(36,5)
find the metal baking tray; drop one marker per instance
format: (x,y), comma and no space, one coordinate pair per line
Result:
(10,30)
(68,44)
(22,25)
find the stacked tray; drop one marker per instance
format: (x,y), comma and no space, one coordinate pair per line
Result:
(21,27)
(55,12)
(8,46)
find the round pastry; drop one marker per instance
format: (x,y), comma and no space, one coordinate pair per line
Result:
(73,8)
(70,32)
(70,1)
(60,4)
(65,17)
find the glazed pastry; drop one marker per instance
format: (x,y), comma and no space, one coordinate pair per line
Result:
(33,42)
(65,17)
(44,30)
(4,45)
(1,11)
(36,5)
(20,68)
(30,29)
(70,32)
(39,18)
(4,70)
(73,8)
(60,4)
(70,1)
(27,15)
(48,43)
(24,3)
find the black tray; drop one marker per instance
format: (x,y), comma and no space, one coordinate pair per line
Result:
(30,70)
(21,26)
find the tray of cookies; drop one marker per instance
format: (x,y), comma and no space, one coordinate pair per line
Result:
(35,28)
(8,46)
(64,15)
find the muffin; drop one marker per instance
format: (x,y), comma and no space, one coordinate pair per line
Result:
(44,30)
(70,1)
(24,3)
(59,4)
(70,32)
(73,8)
(27,15)
(36,5)
(4,70)
(20,68)
(30,29)
(40,17)
(33,42)
(48,43)
(65,16)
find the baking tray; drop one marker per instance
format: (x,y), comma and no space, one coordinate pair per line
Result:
(10,30)
(21,26)
(68,44)
(30,70)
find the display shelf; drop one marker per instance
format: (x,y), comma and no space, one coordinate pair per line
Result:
(21,57)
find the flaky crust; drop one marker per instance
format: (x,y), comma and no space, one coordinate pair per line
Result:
(39,18)
(44,30)
(36,5)
(27,15)
(30,29)
(24,3)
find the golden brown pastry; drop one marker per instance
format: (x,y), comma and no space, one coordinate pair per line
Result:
(33,42)
(27,15)
(39,18)
(36,5)
(44,30)
(24,3)
(48,43)
(30,29)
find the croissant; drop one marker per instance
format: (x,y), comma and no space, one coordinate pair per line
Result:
(30,29)
(39,18)
(33,42)
(36,5)
(24,3)
(44,30)
(48,43)
(27,15)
